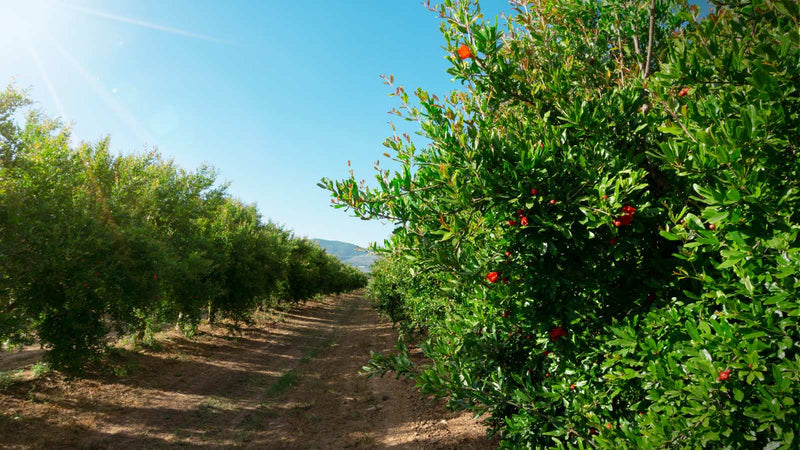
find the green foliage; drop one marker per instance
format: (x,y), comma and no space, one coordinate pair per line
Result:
(8,378)
(40,368)
(605,223)
(93,242)
(389,288)
(401,292)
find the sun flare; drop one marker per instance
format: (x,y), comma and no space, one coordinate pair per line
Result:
(31,31)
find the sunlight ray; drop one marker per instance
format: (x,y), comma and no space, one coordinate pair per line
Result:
(26,39)
(121,112)
(105,96)
(47,82)
(141,23)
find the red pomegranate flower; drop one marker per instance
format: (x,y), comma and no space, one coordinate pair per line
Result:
(613,241)
(464,52)
(724,375)
(512,223)
(534,191)
(683,92)
(624,220)
(492,277)
(557,333)
(155,277)
(523,221)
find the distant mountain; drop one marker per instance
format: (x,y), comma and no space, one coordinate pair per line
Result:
(351,254)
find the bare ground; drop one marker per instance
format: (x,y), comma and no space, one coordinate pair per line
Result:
(290,380)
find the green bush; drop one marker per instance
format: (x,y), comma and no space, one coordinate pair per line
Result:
(607,215)
(409,296)
(389,287)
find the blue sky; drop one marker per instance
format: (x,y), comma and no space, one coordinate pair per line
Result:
(274,94)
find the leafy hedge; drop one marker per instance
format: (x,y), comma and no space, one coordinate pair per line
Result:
(93,242)
(606,223)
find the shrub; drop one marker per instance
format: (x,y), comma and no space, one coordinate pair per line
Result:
(40,368)
(386,292)
(608,216)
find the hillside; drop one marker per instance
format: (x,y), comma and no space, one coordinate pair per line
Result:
(351,254)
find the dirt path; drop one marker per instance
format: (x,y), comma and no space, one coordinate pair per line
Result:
(286,382)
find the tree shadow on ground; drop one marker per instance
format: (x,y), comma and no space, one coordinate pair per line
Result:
(292,384)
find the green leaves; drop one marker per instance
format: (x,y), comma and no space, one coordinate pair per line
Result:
(703,280)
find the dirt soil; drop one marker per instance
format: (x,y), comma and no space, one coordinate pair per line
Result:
(291,380)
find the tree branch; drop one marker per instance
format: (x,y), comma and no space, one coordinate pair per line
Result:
(636,48)
(676,118)
(638,52)
(650,38)
(620,55)
(573,431)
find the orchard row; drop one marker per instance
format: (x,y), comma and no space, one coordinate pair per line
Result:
(94,243)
